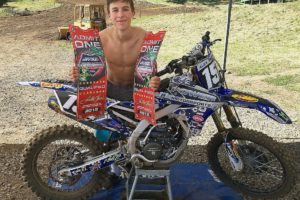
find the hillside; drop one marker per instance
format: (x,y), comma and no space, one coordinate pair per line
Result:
(264,45)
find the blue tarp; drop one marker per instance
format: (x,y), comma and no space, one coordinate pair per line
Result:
(189,182)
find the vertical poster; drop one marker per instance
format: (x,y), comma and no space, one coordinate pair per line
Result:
(92,81)
(144,102)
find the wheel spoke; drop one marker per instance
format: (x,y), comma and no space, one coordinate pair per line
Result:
(263,172)
(61,154)
(267,165)
(268,170)
(258,155)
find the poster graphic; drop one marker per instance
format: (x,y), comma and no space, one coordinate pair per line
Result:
(92,82)
(143,96)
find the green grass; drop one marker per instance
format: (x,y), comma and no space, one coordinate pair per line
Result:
(65,45)
(291,82)
(264,39)
(36,5)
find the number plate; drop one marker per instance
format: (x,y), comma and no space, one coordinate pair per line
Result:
(208,73)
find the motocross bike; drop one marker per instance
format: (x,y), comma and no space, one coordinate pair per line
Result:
(68,162)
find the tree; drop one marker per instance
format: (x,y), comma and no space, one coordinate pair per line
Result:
(2,2)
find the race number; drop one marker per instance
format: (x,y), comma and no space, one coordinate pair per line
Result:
(92,83)
(143,96)
(208,72)
(211,75)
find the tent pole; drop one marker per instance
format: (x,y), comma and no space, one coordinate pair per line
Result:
(227,36)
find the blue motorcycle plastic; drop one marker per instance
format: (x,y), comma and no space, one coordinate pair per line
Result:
(68,162)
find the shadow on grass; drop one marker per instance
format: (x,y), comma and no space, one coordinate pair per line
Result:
(211,2)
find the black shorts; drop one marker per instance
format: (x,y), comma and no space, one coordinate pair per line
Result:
(121,93)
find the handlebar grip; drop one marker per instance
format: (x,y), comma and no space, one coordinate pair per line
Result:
(206,36)
(163,72)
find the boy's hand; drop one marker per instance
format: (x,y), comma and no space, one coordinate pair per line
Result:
(154,82)
(74,73)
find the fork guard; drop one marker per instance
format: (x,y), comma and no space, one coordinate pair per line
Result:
(245,100)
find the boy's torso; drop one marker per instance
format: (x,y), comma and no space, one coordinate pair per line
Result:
(121,56)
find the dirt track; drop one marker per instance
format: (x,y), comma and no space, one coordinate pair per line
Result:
(29,51)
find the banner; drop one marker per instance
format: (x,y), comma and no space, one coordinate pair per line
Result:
(144,101)
(92,81)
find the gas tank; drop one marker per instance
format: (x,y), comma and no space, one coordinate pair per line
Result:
(184,86)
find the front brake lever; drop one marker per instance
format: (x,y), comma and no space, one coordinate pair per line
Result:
(179,71)
(216,40)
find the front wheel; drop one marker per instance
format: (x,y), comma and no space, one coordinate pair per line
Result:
(267,171)
(57,148)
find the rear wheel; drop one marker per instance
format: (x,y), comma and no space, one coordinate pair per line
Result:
(268,172)
(55,149)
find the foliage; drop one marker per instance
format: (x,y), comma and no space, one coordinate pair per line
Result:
(178,1)
(291,82)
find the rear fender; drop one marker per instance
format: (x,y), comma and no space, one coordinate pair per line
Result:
(59,85)
(246,100)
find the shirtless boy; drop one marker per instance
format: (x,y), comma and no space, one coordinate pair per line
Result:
(121,44)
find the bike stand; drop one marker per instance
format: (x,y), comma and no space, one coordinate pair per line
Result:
(156,182)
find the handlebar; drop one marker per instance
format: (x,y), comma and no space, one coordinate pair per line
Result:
(206,40)
(164,71)
(178,64)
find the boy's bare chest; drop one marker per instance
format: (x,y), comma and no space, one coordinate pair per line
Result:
(122,54)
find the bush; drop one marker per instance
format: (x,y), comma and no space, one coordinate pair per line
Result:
(178,1)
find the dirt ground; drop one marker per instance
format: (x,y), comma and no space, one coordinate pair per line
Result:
(29,51)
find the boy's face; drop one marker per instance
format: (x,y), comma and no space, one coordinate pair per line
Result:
(120,14)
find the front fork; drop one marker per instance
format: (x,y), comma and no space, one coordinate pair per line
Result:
(230,146)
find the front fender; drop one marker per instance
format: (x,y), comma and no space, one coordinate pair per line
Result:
(246,100)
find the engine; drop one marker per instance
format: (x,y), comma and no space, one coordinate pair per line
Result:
(161,142)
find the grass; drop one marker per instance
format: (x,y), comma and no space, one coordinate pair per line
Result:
(66,45)
(264,39)
(291,82)
(31,5)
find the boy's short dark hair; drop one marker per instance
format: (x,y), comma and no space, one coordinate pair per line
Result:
(128,1)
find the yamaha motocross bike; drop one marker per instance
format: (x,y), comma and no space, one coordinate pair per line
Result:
(68,162)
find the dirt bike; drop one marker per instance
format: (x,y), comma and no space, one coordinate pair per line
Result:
(68,162)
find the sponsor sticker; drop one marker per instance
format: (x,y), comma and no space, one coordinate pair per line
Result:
(198,118)
(51,85)
(245,98)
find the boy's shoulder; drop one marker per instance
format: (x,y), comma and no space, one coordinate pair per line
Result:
(139,32)
(105,35)
(138,29)
(105,32)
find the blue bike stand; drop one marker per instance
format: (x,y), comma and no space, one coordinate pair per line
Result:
(188,182)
